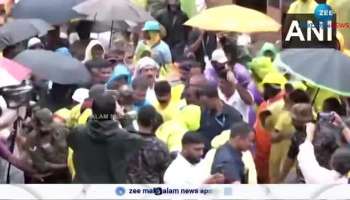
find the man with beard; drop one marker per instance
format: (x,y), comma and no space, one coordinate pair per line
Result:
(272,83)
(228,158)
(166,105)
(216,116)
(187,168)
(148,68)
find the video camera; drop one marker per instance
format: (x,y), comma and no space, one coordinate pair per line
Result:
(17,95)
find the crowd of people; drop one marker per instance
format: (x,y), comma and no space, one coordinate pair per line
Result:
(172,104)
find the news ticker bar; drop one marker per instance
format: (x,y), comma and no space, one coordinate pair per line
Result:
(144,192)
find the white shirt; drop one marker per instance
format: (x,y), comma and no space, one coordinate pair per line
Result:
(236,101)
(180,171)
(151,96)
(312,171)
(201,5)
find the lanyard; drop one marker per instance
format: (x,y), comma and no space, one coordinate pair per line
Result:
(221,122)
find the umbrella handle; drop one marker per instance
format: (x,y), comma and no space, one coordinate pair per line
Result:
(12,148)
(315,96)
(110,38)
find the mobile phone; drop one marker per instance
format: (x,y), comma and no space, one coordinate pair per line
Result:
(326,116)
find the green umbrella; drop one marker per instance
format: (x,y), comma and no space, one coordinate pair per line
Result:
(327,69)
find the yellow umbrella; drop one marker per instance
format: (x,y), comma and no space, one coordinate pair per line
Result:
(233,18)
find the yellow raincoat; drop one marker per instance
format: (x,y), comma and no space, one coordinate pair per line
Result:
(76,118)
(172,110)
(247,157)
(260,67)
(302,7)
(171,132)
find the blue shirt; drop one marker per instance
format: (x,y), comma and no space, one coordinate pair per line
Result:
(212,125)
(161,53)
(228,161)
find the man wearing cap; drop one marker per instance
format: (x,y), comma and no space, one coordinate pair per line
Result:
(35,43)
(173,19)
(273,84)
(218,64)
(160,51)
(231,91)
(45,146)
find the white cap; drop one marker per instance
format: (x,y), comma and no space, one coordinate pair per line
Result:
(147,63)
(33,41)
(244,40)
(219,56)
(80,95)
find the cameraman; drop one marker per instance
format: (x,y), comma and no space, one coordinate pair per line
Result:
(13,108)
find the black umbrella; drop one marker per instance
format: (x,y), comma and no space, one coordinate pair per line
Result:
(53,11)
(54,66)
(328,69)
(112,10)
(16,31)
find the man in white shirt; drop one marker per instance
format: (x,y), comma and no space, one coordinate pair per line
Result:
(311,169)
(234,94)
(188,167)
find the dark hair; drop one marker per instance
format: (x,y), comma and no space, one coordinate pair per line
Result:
(84,28)
(97,63)
(95,90)
(146,116)
(192,138)
(333,104)
(140,83)
(103,107)
(229,45)
(158,121)
(325,143)
(210,91)
(341,160)
(299,96)
(241,129)
(12,51)
(162,88)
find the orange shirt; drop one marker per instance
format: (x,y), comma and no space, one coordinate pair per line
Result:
(263,141)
